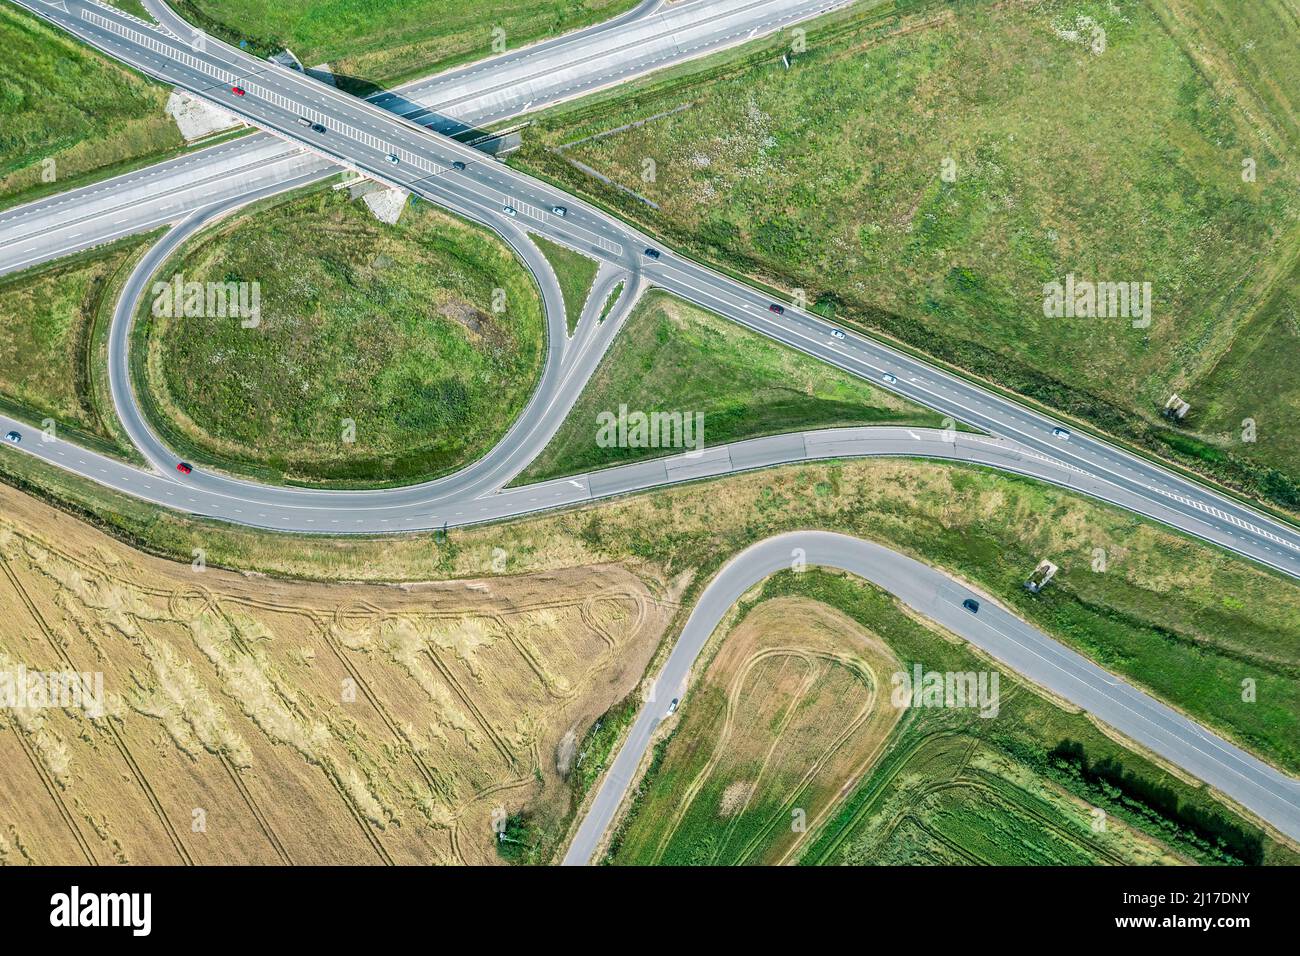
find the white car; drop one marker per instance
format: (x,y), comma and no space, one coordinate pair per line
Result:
(888,378)
(672,708)
(836,333)
(560,210)
(392,158)
(510,211)
(13,438)
(1061,433)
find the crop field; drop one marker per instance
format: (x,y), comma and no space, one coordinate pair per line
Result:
(382,353)
(955,787)
(575,273)
(672,356)
(1190,623)
(795,702)
(249,720)
(68,114)
(382,42)
(928,174)
(53,322)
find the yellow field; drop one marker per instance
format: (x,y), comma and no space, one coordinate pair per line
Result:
(250,720)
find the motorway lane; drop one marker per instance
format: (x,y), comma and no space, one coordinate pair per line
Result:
(1021,647)
(645,39)
(362,135)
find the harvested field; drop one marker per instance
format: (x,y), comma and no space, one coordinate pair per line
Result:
(251,720)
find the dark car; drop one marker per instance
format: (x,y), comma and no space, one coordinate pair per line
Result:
(458,165)
(778,309)
(652,253)
(971,605)
(317,128)
(184,467)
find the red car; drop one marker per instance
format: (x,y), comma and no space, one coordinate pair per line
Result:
(237,90)
(184,467)
(778,309)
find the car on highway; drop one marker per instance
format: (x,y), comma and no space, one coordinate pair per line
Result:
(392,158)
(971,605)
(13,438)
(888,378)
(304,121)
(560,210)
(652,253)
(1062,433)
(510,211)
(778,309)
(458,165)
(317,128)
(184,467)
(672,708)
(836,333)
(237,90)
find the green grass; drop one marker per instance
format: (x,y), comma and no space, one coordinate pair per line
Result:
(61,101)
(391,328)
(54,321)
(384,42)
(673,356)
(826,177)
(953,787)
(610,300)
(575,273)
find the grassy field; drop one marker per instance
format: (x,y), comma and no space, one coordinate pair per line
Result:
(54,321)
(383,42)
(575,272)
(944,786)
(783,715)
(926,175)
(61,101)
(392,329)
(297,723)
(672,356)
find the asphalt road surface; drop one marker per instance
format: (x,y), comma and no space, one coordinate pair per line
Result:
(649,37)
(1021,647)
(362,135)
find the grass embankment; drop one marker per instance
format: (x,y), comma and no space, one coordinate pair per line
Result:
(68,114)
(575,273)
(781,174)
(369,44)
(1184,620)
(948,787)
(379,357)
(671,356)
(54,322)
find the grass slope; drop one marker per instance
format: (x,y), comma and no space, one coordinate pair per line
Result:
(672,356)
(575,273)
(61,100)
(392,328)
(1122,165)
(383,42)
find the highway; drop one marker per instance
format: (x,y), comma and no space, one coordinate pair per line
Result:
(1005,637)
(649,37)
(362,136)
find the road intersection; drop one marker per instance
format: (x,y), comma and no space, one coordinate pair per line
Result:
(330,129)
